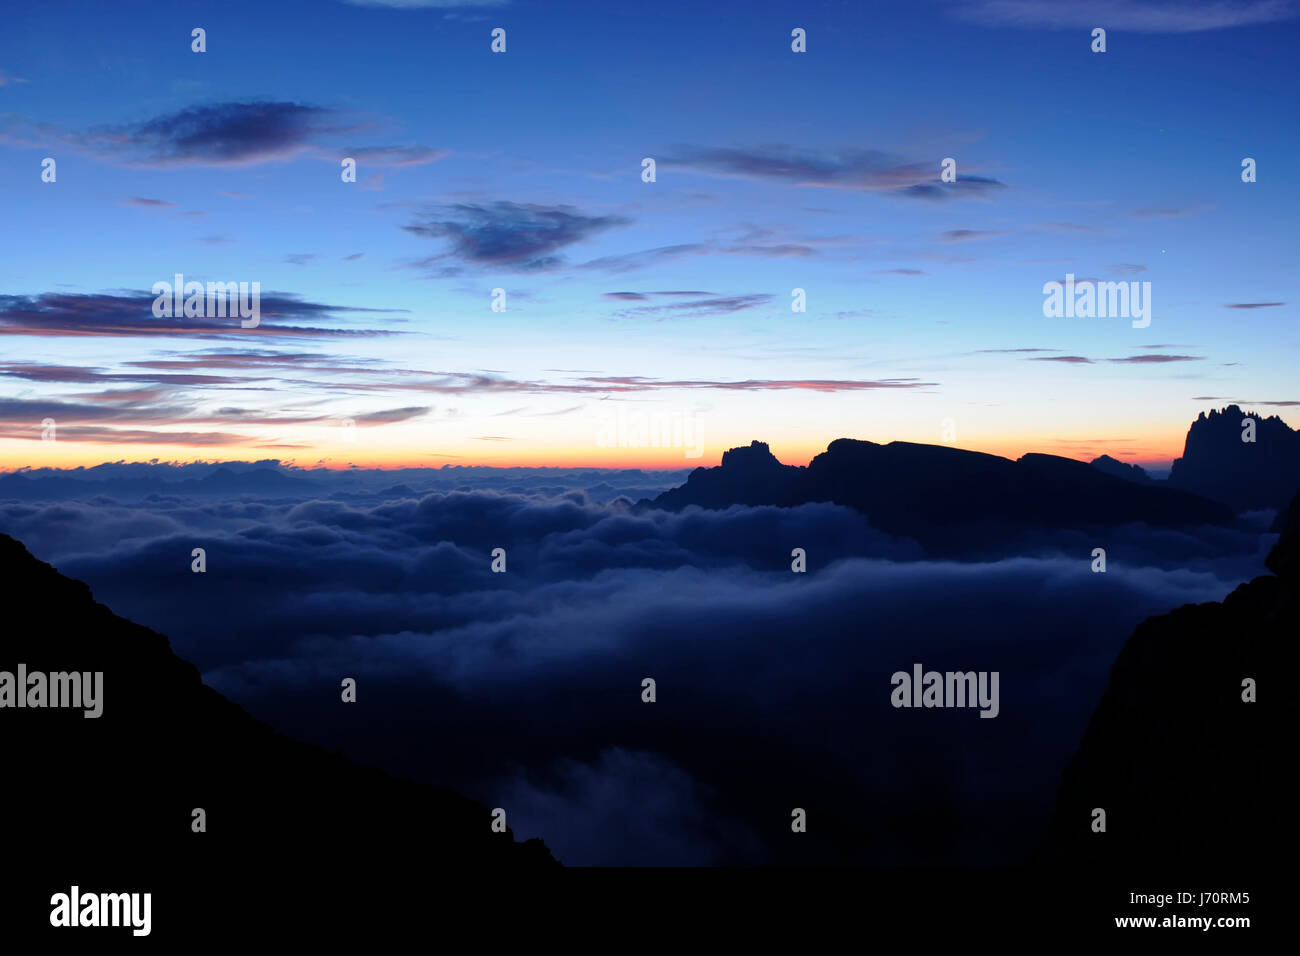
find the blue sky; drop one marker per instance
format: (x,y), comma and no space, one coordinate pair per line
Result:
(776,170)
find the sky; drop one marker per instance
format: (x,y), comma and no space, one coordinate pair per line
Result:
(637,310)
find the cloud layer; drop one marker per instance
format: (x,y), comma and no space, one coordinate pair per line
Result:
(524,688)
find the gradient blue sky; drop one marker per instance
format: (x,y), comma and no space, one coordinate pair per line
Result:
(522,171)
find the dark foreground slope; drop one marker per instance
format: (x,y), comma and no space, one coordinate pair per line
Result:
(107,803)
(1188,772)
(948,499)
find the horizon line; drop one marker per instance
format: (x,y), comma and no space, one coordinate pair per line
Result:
(657,462)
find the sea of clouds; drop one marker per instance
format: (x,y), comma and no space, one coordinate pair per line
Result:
(523,689)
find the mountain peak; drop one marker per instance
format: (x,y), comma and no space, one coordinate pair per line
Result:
(1241,459)
(755,454)
(1119,469)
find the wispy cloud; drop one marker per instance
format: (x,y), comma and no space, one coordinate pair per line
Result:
(842,169)
(1010,351)
(967,235)
(221,134)
(644,296)
(1137,16)
(395,155)
(391,415)
(637,383)
(520,236)
(706,305)
(22,414)
(1149,359)
(470,383)
(628,261)
(64,314)
(132,436)
(1158,213)
(233,133)
(84,375)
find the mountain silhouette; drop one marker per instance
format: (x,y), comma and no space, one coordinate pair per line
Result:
(139,484)
(948,499)
(1120,470)
(107,802)
(1218,464)
(260,481)
(749,475)
(1185,769)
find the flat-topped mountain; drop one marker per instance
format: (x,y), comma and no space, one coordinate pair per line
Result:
(748,475)
(945,498)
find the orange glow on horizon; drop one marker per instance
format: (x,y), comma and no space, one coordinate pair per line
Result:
(1148,449)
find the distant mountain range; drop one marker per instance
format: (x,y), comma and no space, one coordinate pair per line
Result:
(222,481)
(270,478)
(948,499)
(1219,464)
